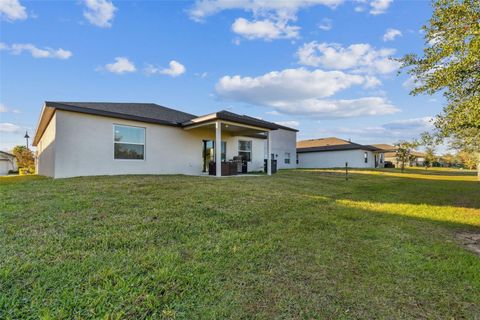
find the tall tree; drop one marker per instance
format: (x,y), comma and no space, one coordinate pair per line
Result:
(450,64)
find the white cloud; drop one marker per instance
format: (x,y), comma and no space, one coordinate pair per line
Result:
(391,34)
(4,109)
(7,127)
(412,82)
(99,12)
(361,57)
(271,18)
(371,82)
(379,6)
(324,108)
(359,9)
(289,123)
(281,9)
(326,24)
(175,69)
(302,92)
(286,84)
(416,124)
(18,48)
(201,75)
(405,129)
(12,10)
(121,65)
(273,113)
(264,29)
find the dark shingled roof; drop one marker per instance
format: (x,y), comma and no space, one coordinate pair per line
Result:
(148,112)
(151,112)
(230,116)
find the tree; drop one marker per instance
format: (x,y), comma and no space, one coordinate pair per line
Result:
(404,154)
(450,64)
(25,158)
(467,159)
(430,143)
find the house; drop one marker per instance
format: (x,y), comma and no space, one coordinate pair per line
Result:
(391,152)
(8,162)
(88,138)
(334,152)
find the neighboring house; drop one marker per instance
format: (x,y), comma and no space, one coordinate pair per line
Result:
(7,162)
(83,139)
(334,152)
(391,155)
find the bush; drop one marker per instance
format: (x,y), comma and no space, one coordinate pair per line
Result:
(26,171)
(12,171)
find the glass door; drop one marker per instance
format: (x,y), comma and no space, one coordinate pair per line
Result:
(208,153)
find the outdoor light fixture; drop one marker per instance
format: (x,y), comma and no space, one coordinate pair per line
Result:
(26,137)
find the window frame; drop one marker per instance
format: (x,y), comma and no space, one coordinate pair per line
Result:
(285,158)
(251,148)
(144,144)
(365,156)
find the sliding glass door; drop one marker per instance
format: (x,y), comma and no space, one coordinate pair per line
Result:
(208,153)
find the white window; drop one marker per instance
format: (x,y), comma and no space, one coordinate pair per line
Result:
(381,157)
(287,157)
(365,156)
(245,150)
(129,142)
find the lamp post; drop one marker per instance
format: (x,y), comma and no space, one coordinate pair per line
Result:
(26,137)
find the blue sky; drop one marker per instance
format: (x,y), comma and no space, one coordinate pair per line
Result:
(321,66)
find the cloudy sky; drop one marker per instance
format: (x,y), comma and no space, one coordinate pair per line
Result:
(322,66)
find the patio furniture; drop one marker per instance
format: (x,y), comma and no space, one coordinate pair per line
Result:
(229,168)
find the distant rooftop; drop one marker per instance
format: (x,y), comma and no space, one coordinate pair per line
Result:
(330,144)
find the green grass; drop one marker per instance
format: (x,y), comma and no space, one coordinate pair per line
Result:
(298,245)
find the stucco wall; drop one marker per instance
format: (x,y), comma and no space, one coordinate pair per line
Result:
(284,141)
(332,159)
(46,150)
(84,146)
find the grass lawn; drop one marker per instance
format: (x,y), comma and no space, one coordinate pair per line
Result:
(302,244)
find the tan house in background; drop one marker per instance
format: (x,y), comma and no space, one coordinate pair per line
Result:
(390,155)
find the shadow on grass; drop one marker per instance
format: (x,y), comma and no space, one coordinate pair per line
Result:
(381,187)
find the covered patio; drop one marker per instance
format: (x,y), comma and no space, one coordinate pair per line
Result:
(235,125)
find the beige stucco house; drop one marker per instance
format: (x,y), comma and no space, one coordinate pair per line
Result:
(84,139)
(333,152)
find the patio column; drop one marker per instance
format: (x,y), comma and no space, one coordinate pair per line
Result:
(218,148)
(269,153)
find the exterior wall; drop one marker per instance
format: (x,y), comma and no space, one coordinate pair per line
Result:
(84,147)
(46,150)
(335,159)
(284,141)
(7,163)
